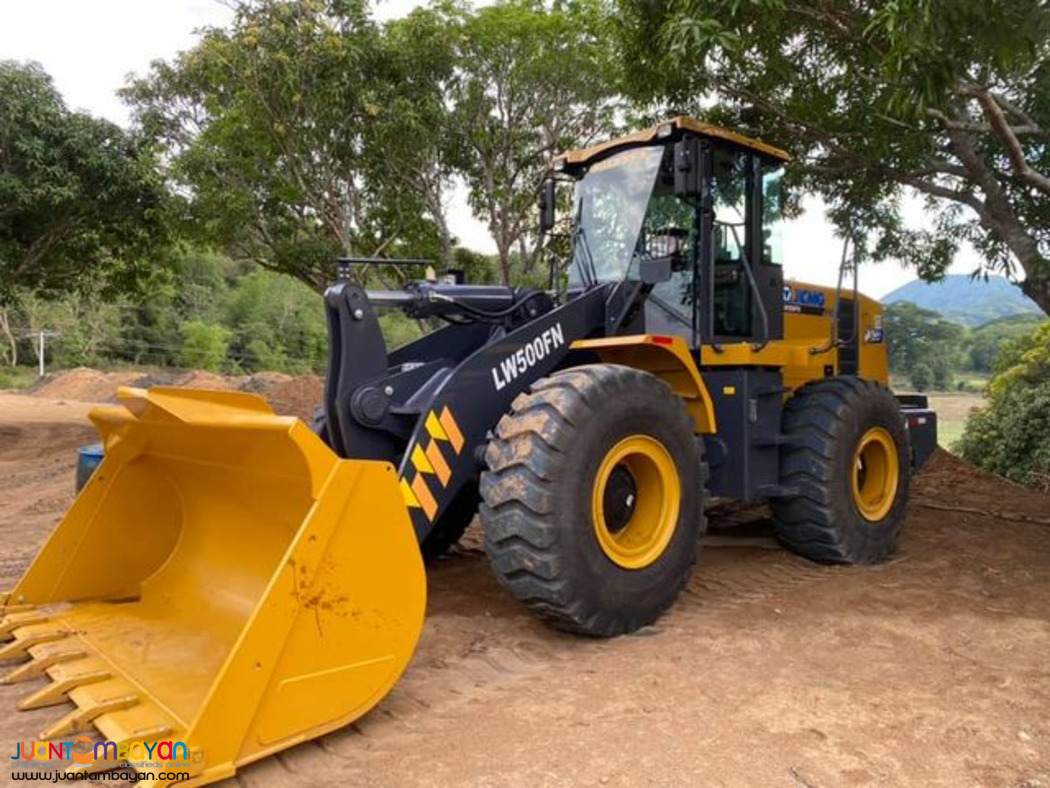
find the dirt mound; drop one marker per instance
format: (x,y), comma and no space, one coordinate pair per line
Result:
(85,385)
(288,395)
(199,379)
(262,382)
(297,397)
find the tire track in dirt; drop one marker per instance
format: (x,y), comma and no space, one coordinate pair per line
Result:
(504,653)
(477,644)
(749,579)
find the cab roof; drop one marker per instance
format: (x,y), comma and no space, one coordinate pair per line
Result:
(668,129)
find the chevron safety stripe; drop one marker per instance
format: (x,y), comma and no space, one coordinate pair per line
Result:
(429,461)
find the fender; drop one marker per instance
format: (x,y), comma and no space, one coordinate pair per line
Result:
(668,358)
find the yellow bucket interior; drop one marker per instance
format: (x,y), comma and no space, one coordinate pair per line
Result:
(226,571)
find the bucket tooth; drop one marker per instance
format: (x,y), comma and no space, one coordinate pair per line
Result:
(12,621)
(26,638)
(138,736)
(138,723)
(6,610)
(40,659)
(80,719)
(58,690)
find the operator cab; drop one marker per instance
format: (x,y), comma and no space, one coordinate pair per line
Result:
(694,212)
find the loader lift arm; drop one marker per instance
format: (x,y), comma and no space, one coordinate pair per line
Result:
(430,405)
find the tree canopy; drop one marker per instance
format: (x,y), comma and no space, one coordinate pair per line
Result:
(951,100)
(282,134)
(530,82)
(80,199)
(1011,436)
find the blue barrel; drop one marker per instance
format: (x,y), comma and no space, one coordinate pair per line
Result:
(88,458)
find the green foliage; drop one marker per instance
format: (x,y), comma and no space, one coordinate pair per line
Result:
(922,346)
(286,128)
(532,81)
(940,355)
(921,376)
(84,328)
(16,377)
(204,345)
(79,198)
(202,310)
(873,100)
(1023,361)
(306,130)
(986,343)
(398,329)
(1011,436)
(278,323)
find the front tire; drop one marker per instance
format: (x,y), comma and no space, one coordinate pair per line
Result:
(593,499)
(847,458)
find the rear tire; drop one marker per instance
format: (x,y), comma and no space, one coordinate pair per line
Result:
(593,499)
(847,457)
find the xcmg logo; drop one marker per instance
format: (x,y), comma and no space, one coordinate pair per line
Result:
(83,751)
(801,299)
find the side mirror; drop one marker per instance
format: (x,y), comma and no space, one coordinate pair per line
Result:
(654,270)
(547,206)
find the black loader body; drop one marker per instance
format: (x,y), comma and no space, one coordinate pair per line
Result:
(430,405)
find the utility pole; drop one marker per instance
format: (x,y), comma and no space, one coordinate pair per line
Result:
(41,337)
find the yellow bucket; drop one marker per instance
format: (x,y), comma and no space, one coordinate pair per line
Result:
(224,581)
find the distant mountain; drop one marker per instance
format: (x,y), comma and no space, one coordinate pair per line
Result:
(971,302)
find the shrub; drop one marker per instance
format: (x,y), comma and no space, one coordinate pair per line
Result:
(204,345)
(1011,436)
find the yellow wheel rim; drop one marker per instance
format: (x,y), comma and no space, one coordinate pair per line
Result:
(635,501)
(876,474)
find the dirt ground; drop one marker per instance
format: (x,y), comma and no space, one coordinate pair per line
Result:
(929,670)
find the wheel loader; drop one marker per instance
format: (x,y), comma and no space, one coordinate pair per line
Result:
(237,582)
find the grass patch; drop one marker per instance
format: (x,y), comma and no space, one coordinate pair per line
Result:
(17,377)
(952,411)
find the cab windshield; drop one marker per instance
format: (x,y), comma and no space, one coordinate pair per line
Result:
(610,207)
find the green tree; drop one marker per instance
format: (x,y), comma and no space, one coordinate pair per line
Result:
(282,129)
(921,377)
(204,345)
(986,341)
(79,199)
(421,52)
(951,100)
(531,81)
(85,326)
(922,346)
(1011,436)
(277,323)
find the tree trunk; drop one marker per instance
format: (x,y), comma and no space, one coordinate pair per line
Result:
(5,327)
(503,250)
(1037,286)
(448,248)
